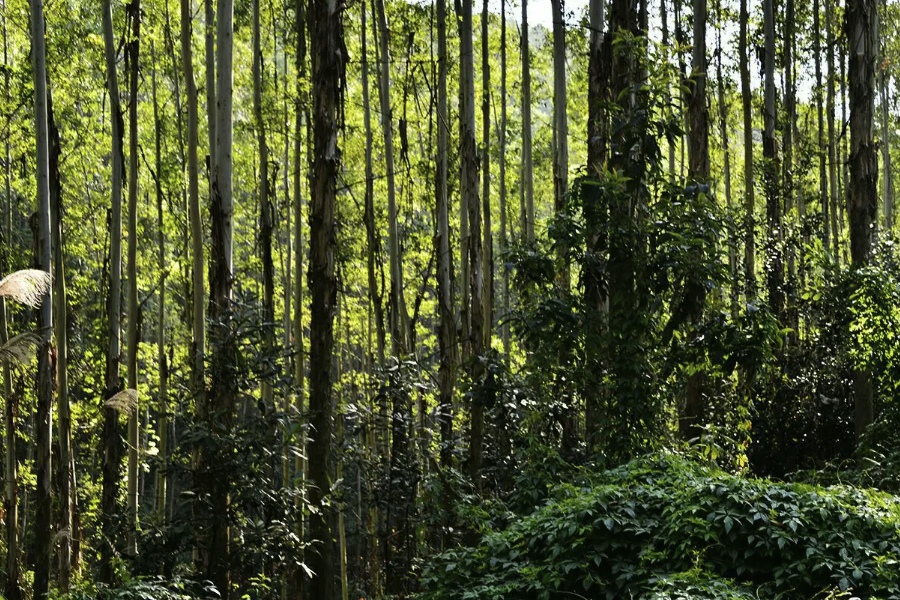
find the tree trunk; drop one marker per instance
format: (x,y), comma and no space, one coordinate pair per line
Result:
(398,314)
(11,488)
(211,105)
(133,317)
(301,118)
(820,120)
(504,239)
(162,401)
(112,452)
(43,518)
(196,223)
(726,151)
(326,29)
(64,474)
(487,257)
(749,200)
(863,207)
(832,153)
(446,337)
(774,267)
(472,243)
(698,171)
(888,185)
(527,166)
(221,399)
(265,211)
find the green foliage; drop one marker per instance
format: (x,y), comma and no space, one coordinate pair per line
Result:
(664,527)
(149,588)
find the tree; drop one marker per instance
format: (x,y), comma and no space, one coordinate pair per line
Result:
(198,322)
(862,19)
(446,335)
(471,239)
(43,519)
(111,449)
(221,399)
(527,164)
(487,254)
(774,266)
(749,199)
(133,316)
(326,33)
(398,315)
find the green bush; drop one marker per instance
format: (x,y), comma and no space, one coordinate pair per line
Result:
(664,527)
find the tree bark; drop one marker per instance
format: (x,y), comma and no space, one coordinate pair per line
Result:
(775,266)
(820,120)
(472,243)
(863,207)
(112,452)
(326,29)
(749,200)
(65,473)
(43,518)
(527,166)
(133,317)
(487,255)
(832,152)
(12,590)
(398,315)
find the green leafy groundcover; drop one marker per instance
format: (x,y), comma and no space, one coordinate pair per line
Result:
(664,527)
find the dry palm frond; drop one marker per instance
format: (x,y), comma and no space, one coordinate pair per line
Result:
(124,402)
(20,349)
(27,286)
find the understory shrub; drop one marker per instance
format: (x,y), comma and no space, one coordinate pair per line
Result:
(662,526)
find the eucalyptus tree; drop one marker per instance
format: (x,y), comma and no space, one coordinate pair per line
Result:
(43,518)
(774,264)
(111,447)
(749,183)
(220,404)
(398,316)
(862,18)
(133,339)
(327,43)
(527,183)
(472,242)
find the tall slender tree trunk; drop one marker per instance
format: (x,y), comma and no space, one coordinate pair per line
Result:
(398,314)
(699,171)
(43,518)
(820,121)
(211,105)
(326,33)
(446,337)
(196,224)
(749,199)
(265,211)
(133,317)
(788,141)
(487,256)
(888,185)
(64,419)
(504,239)
(472,243)
(774,266)
(829,114)
(527,165)
(11,488)
(112,452)
(863,206)
(560,116)
(220,409)
(301,117)
(726,151)
(162,401)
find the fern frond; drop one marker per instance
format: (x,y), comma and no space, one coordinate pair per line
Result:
(20,349)
(124,402)
(27,286)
